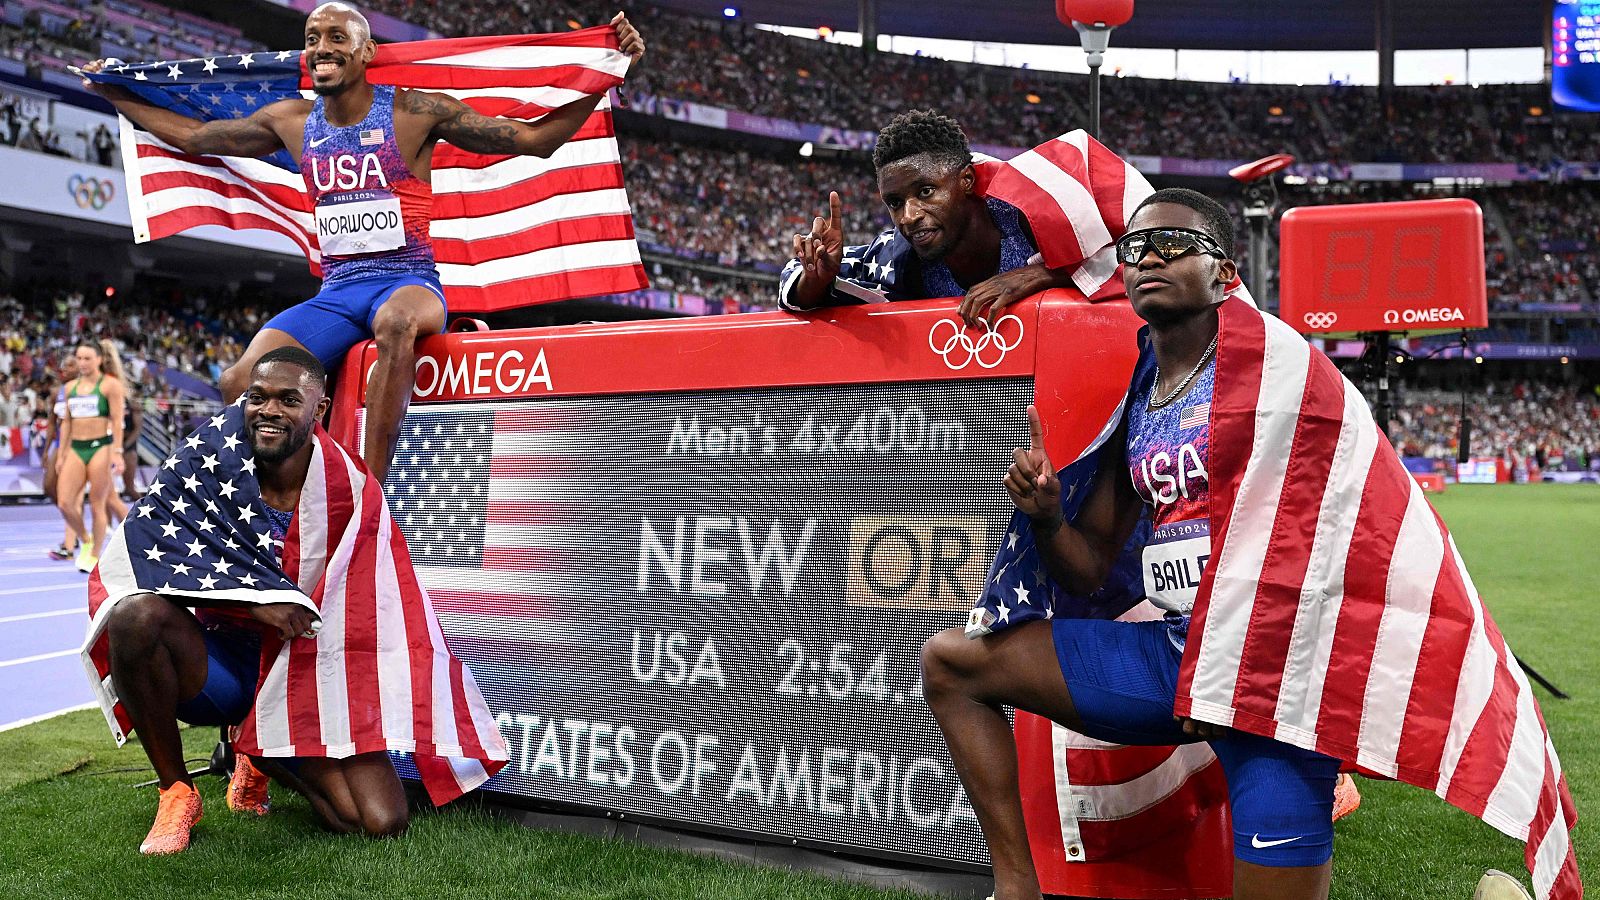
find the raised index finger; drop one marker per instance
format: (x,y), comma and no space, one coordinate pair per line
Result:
(835,215)
(1035,429)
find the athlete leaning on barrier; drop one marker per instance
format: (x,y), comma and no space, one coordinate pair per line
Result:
(948,240)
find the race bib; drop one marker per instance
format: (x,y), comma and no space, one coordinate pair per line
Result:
(359,222)
(1174,560)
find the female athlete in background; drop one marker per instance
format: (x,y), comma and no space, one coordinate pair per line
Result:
(91,445)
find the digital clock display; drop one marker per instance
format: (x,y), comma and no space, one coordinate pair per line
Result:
(707,606)
(1415,266)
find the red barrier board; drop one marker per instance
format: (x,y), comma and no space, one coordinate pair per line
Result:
(1415,266)
(691,563)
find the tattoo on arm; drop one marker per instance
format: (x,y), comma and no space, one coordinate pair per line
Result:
(250,136)
(460,125)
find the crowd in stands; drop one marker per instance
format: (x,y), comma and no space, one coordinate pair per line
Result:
(59,33)
(736,208)
(732,64)
(1526,420)
(157,332)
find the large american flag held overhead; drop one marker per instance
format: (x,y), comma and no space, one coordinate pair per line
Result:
(377,677)
(1336,613)
(508,231)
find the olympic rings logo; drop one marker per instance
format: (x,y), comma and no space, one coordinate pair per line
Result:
(960,350)
(88,191)
(1318,321)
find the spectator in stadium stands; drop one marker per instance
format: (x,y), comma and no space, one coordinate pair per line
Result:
(947,240)
(33,138)
(105,147)
(13,120)
(91,445)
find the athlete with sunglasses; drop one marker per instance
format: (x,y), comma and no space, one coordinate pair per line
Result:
(1113,680)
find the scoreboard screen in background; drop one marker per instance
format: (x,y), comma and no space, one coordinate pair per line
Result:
(707,607)
(1575,56)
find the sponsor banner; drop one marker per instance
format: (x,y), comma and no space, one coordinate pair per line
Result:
(1478,470)
(922,340)
(40,183)
(1521,350)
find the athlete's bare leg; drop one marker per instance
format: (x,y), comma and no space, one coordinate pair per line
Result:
(410,314)
(237,377)
(70,482)
(100,488)
(358,795)
(967,684)
(158,658)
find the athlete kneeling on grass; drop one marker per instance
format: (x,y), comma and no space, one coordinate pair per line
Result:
(1123,681)
(202,668)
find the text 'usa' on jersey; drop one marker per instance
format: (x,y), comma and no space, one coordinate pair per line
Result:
(372,213)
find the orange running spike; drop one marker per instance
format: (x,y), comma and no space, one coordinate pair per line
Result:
(247,789)
(1345,796)
(176,815)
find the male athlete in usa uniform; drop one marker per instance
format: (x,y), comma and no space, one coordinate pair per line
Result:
(1117,681)
(366,153)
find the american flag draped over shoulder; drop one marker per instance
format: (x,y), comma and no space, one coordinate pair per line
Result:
(508,231)
(377,677)
(1394,663)
(1074,224)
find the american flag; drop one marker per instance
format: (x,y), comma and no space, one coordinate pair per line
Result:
(1394,664)
(1077,195)
(508,231)
(1194,416)
(360,685)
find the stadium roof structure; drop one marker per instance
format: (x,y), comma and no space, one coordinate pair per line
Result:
(1178,24)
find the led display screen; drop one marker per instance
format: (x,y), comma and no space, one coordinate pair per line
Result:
(705,607)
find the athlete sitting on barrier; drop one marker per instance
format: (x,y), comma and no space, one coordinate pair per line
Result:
(947,241)
(363,150)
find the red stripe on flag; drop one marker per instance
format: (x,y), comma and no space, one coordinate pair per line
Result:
(1277,601)
(1383,506)
(1483,759)
(417,632)
(517,194)
(178,220)
(1439,668)
(597,36)
(448,156)
(565,233)
(196,176)
(1240,353)
(360,655)
(1114,765)
(546,288)
(460,78)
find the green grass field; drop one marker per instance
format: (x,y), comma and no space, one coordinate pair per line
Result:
(69,825)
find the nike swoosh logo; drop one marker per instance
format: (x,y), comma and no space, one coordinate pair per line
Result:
(320,141)
(1259,844)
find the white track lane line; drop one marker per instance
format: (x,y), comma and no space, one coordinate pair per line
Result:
(40,657)
(41,589)
(41,615)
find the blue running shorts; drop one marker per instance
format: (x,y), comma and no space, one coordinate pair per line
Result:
(1123,679)
(340,315)
(233,664)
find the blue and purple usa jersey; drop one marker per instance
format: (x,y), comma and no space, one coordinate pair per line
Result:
(372,213)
